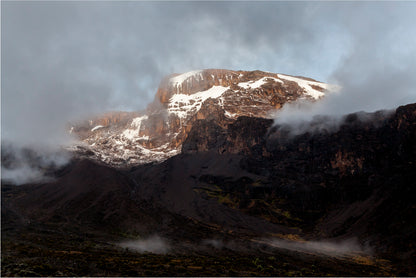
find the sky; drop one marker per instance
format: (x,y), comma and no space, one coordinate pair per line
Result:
(65,60)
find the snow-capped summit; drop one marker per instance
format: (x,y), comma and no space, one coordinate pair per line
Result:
(222,95)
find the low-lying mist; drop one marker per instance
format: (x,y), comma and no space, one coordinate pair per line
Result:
(304,116)
(326,247)
(152,244)
(346,247)
(35,164)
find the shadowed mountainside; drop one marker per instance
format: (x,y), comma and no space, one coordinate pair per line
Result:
(244,181)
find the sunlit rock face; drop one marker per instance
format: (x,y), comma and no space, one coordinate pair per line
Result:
(125,139)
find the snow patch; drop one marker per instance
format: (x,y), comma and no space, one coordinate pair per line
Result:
(182,105)
(178,80)
(133,134)
(230,115)
(136,122)
(307,85)
(97,127)
(258,83)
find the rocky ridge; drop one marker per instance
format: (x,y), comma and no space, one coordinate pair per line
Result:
(125,139)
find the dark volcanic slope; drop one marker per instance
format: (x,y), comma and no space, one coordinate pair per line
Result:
(356,182)
(84,193)
(178,185)
(249,179)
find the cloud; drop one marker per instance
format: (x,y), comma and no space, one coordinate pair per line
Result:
(378,71)
(35,165)
(65,60)
(23,174)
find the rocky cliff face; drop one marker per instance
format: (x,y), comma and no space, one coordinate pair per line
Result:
(124,139)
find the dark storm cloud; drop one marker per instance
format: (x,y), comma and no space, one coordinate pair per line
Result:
(63,60)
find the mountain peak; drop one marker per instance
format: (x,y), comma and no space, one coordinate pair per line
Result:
(201,80)
(181,99)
